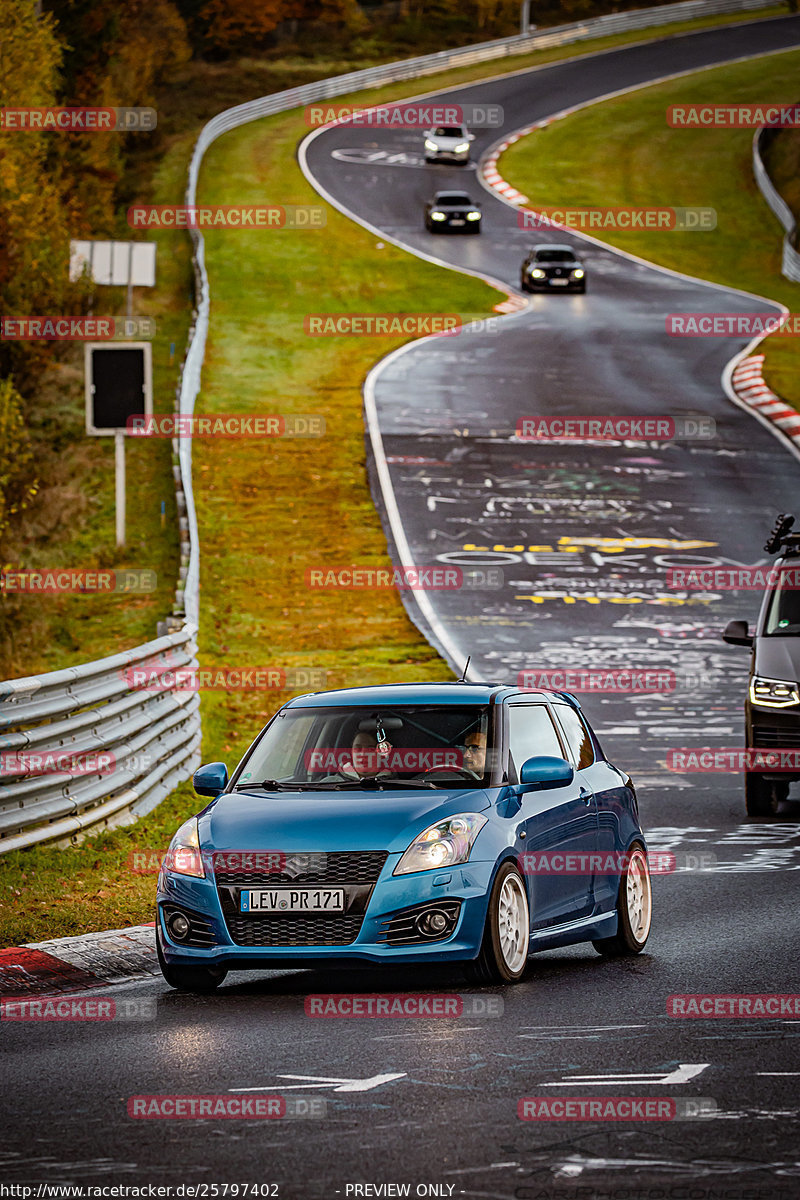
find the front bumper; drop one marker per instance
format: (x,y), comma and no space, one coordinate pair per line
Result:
(773,729)
(470,884)
(556,285)
(447,156)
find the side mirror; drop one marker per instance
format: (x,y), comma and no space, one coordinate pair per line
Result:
(211,779)
(546,771)
(736,634)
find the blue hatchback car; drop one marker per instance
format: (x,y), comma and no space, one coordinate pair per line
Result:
(412,823)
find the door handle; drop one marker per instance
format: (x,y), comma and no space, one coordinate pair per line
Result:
(586,795)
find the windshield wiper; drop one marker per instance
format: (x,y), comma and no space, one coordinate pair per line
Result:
(274,785)
(368,783)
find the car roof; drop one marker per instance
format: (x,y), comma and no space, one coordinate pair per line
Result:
(553,246)
(453,192)
(422,693)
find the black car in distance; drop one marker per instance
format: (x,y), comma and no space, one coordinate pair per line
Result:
(452,212)
(552,268)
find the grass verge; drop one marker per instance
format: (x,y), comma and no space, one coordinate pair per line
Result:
(622,152)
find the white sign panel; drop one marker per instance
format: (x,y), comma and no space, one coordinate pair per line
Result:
(114,263)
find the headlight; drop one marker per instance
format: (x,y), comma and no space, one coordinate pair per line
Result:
(773,693)
(183,856)
(473,216)
(442,845)
(461,147)
(437,216)
(429,145)
(537,273)
(577,273)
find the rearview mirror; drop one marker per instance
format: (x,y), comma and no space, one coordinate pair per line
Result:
(736,634)
(211,779)
(547,771)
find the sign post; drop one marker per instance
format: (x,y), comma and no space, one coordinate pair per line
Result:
(119,385)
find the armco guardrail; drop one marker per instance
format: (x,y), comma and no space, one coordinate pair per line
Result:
(90,747)
(790,266)
(154,737)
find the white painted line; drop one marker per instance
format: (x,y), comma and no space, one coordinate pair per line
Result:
(682,1074)
(322,1081)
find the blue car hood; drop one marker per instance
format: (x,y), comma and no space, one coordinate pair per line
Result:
(379,820)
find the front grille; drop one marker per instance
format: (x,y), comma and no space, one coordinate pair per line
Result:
(776,737)
(356,866)
(356,870)
(294,929)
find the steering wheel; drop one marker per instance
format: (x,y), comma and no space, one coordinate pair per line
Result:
(443,767)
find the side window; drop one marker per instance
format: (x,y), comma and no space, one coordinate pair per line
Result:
(577,736)
(530,732)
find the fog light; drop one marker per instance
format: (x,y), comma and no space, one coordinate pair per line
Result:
(178,925)
(432,923)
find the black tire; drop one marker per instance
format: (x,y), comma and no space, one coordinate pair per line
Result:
(201,980)
(525,286)
(476,228)
(763,798)
(628,940)
(492,965)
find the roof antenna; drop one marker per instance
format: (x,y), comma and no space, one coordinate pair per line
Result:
(463,678)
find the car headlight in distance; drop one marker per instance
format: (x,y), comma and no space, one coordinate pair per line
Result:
(183,856)
(577,273)
(429,145)
(437,216)
(774,693)
(444,844)
(473,216)
(537,273)
(461,147)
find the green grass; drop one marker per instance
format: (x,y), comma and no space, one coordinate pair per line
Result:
(267,510)
(622,152)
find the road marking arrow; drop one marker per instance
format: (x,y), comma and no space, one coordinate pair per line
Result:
(682,1074)
(324,1081)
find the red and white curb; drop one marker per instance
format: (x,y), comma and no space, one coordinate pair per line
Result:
(76,964)
(748,383)
(492,176)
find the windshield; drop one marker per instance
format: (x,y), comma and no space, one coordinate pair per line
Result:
(390,747)
(783,614)
(453,198)
(449,131)
(555,256)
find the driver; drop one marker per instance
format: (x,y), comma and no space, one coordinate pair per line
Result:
(475,753)
(365,759)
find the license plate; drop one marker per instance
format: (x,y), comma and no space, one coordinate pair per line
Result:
(559,282)
(304,899)
(458,221)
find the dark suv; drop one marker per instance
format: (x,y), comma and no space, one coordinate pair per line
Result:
(772,707)
(547,268)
